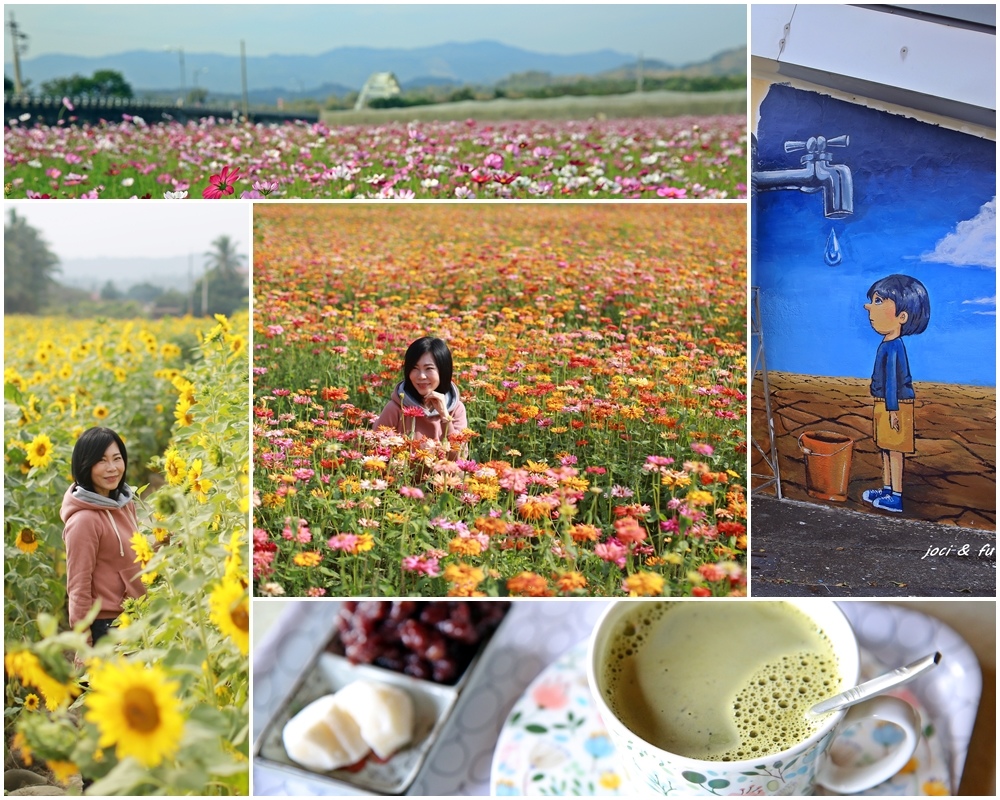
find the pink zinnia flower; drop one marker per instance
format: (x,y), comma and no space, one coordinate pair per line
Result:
(424,565)
(343,541)
(629,531)
(712,572)
(612,552)
(702,449)
(221,184)
(411,492)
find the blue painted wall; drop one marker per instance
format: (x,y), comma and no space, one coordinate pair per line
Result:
(924,205)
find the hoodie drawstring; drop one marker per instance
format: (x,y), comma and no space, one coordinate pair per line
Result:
(121,547)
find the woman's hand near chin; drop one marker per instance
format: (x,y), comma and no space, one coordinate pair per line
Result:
(437,401)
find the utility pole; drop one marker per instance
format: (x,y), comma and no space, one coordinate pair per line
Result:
(204,292)
(243,73)
(18,44)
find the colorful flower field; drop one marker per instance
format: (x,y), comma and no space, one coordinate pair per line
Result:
(600,351)
(669,158)
(160,705)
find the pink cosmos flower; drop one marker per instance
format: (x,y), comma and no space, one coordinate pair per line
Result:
(493,161)
(221,184)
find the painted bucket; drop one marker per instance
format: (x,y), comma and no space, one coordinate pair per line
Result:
(828,463)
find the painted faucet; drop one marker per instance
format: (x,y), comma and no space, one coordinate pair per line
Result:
(816,174)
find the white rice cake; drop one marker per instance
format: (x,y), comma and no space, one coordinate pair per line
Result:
(324,737)
(383,713)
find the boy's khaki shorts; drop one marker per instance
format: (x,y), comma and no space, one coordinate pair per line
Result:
(888,439)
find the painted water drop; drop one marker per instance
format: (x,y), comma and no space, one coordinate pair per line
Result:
(832,255)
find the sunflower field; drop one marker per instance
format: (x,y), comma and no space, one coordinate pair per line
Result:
(600,351)
(160,705)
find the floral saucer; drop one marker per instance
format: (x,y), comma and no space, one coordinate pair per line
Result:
(554,742)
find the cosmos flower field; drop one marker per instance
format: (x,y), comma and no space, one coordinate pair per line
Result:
(658,158)
(600,350)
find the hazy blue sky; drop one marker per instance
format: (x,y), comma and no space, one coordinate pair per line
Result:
(674,33)
(115,229)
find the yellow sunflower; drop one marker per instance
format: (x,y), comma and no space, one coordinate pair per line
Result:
(137,709)
(28,669)
(229,609)
(62,771)
(175,467)
(31,702)
(237,345)
(40,451)
(27,540)
(140,546)
(101,412)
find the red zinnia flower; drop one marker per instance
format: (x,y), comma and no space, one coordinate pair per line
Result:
(220,184)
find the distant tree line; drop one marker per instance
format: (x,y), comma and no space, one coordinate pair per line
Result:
(30,286)
(541,85)
(103,83)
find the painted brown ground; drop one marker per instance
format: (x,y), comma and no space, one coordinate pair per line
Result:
(951,479)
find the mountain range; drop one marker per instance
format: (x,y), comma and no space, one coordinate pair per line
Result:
(337,71)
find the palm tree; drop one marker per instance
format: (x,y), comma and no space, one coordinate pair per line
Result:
(222,281)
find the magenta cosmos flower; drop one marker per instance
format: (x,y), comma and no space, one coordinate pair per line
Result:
(220,184)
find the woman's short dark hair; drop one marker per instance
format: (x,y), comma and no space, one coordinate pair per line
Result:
(442,357)
(89,450)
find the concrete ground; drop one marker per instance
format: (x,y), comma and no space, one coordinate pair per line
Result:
(802,549)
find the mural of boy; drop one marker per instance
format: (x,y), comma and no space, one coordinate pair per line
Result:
(897,306)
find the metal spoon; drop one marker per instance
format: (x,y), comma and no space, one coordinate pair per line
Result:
(878,685)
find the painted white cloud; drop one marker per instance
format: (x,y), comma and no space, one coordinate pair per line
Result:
(973,243)
(983,301)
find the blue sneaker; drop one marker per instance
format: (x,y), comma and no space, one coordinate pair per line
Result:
(871,495)
(890,502)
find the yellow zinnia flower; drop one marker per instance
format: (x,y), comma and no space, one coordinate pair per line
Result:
(137,709)
(40,451)
(229,610)
(643,584)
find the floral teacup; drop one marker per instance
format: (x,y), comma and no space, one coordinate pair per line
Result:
(794,771)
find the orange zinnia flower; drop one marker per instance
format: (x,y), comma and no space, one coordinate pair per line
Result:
(528,584)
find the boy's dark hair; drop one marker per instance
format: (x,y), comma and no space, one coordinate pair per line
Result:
(442,357)
(910,296)
(89,449)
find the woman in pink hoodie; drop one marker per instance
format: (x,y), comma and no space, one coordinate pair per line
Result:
(417,408)
(98,512)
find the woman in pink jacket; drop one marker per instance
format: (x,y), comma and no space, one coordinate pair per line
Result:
(98,511)
(417,408)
